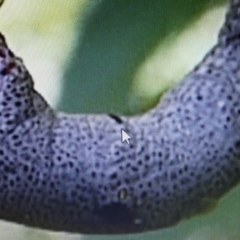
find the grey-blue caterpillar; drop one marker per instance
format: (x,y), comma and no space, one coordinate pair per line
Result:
(72,172)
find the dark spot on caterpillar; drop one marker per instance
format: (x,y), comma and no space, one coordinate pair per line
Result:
(7,70)
(199,97)
(113,176)
(10,53)
(2,54)
(4,72)
(232,38)
(116,118)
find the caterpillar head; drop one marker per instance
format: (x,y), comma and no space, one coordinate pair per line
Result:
(17,95)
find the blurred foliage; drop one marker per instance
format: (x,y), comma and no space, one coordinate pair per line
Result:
(117,37)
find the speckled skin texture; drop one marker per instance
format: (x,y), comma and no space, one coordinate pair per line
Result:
(73,173)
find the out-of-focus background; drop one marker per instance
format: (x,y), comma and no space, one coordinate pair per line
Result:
(120,57)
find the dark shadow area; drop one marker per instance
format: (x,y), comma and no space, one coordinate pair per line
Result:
(116,39)
(222,223)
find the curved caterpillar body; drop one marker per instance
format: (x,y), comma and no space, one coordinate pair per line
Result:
(73,173)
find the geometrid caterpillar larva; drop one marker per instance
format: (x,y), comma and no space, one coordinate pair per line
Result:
(73,173)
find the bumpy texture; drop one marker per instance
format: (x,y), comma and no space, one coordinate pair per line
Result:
(73,173)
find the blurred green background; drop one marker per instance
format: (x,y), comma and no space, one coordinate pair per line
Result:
(116,56)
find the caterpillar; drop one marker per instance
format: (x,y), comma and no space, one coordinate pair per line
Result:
(73,173)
